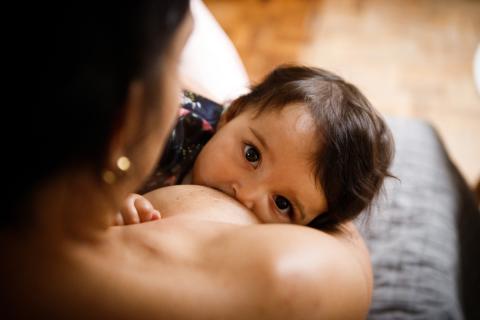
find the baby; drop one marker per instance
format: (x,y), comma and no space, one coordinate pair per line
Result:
(303,147)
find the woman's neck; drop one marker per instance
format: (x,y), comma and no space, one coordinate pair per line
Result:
(73,205)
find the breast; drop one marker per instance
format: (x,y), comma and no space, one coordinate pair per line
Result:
(200,203)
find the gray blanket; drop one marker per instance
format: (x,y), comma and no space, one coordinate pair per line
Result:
(423,267)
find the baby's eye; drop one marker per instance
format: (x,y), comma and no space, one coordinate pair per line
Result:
(283,205)
(251,154)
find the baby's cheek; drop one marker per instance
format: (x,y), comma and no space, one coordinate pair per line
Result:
(215,162)
(228,161)
(198,172)
(203,169)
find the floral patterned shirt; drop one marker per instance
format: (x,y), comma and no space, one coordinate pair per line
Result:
(197,121)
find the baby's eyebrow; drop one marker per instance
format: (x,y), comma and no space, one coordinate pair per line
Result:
(259,138)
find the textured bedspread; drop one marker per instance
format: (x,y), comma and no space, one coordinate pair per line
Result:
(413,233)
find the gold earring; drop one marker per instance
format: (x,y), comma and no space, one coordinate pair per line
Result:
(123,164)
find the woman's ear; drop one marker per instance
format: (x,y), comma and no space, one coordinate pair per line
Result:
(126,128)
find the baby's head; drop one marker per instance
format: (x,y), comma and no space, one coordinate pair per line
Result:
(302,147)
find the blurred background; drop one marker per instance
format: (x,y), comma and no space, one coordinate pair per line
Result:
(411,58)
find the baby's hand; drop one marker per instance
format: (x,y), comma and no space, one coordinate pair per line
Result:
(136,209)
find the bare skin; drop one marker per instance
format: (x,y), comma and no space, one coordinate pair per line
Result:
(205,259)
(189,264)
(315,274)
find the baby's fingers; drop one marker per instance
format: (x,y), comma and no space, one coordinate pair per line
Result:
(119,219)
(145,210)
(128,213)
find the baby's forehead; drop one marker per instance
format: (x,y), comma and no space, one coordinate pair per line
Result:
(296,120)
(298,112)
(304,123)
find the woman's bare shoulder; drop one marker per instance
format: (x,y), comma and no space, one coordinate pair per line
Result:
(294,271)
(312,274)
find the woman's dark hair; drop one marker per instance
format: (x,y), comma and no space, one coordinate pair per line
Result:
(355,146)
(73,65)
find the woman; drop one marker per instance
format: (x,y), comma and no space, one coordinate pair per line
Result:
(102,97)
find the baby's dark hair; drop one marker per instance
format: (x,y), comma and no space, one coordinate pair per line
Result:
(355,146)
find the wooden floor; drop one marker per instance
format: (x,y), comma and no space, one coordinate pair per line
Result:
(411,58)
